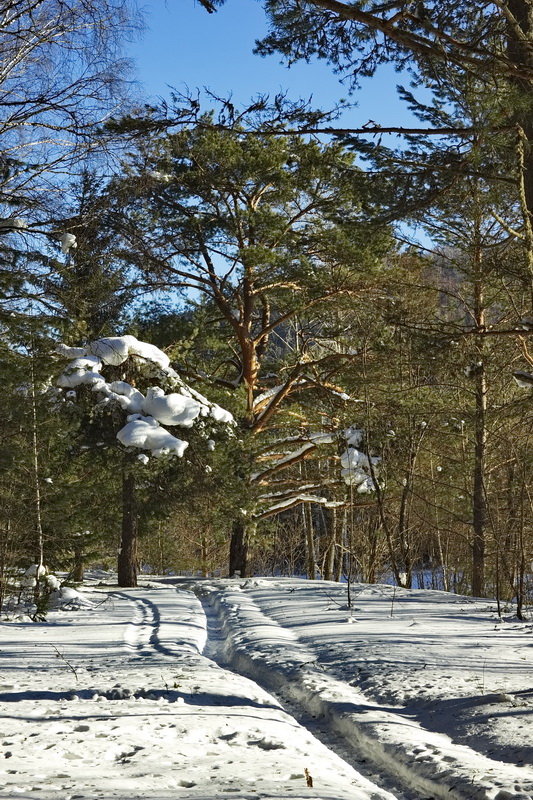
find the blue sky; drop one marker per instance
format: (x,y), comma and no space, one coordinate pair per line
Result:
(186,47)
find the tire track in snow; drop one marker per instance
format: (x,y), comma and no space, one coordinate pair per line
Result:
(142,629)
(433,767)
(151,634)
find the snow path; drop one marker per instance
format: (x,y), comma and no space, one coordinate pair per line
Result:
(217,648)
(116,701)
(429,762)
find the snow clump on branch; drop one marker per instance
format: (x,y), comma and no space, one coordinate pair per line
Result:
(68,242)
(114,350)
(147,434)
(358,470)
(147,413)
(523,379)
(171,409)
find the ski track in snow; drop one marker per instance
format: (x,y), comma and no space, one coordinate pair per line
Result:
(426,761)
(218,650)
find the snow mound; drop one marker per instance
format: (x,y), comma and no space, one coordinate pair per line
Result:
(68,596)
(147,434)
(171,409)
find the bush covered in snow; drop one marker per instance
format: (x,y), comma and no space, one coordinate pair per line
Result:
(35,591)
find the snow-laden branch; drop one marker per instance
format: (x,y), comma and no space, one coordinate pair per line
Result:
(288,460)
(278,448)
(147,413)
(523,379)
(358,468)
(266,404)
(290,502)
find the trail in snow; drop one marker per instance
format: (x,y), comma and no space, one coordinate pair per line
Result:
(118,701)
(217,649)
(273,654)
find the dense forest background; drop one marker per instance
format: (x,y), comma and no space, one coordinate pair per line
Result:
(380,388)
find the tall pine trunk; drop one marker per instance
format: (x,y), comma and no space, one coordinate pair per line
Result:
(243,527)
(479,502)
(331,547)
(479,509)
(127,557)
(310,552)
(520,53)
(39,538)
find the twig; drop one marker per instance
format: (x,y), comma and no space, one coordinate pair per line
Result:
(69,665)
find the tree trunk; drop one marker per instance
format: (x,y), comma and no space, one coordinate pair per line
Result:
(5,562)
(403,526)
(521,584)
(339,554)
(39,543)
(77,569)
(520,52)
(203,548)
(479,509)
(329,555)
(370,563)
(310,543)
(127,557)
(241,535)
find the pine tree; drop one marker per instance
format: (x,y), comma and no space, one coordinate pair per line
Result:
(270,230)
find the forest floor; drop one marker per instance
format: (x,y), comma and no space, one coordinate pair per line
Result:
(267,689)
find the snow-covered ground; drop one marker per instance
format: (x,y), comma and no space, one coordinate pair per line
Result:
(410,694)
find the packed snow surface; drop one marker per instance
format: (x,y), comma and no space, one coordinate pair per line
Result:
(255,688)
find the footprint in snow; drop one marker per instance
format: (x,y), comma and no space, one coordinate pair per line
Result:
(126,756)
(266,744)
(227,737)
